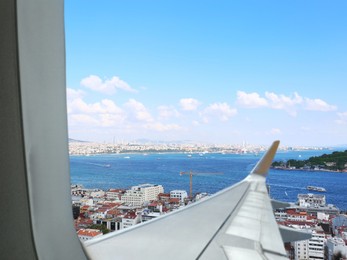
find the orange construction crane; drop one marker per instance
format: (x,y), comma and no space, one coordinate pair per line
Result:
(191,173)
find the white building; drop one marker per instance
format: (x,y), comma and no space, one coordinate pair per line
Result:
(339,221)
(88,234)
(335,246)
(113,195)
(311,200)
(316,244)
(312,248)
(178,194)
(130,219)
(301,250)
(322,216)
(137,195)
(297,216)
(96,193)
(281,215)
(87,202)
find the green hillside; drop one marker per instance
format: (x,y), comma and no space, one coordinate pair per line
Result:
(336,161)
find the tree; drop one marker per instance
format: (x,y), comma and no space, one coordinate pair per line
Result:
(100,227)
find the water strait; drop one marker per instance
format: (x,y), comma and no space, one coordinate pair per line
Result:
(125,170)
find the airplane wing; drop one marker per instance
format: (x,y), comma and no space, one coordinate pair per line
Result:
(235,223)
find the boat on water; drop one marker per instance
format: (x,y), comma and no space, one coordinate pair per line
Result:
(315,188)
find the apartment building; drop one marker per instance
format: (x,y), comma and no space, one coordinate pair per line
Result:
(140,194)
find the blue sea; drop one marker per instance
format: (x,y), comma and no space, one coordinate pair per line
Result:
(125,170)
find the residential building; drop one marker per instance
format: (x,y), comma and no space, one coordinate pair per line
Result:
(180,194)
(137,195)
(316,244)
(314,203)
(97,193)
(335,247)
(301,250)
(114,194)
(130,219)
(311,200)
(88,234)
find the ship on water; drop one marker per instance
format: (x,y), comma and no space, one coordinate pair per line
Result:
(315,188)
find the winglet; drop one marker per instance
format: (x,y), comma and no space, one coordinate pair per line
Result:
(262,167)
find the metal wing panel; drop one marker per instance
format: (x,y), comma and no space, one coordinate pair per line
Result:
(183,234)
(253,224)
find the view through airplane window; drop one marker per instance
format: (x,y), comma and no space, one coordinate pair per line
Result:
(170,102)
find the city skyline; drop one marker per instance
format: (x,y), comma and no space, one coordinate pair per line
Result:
(209,72)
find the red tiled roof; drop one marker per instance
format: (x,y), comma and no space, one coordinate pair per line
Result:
(163,195)
(130,215)
(89,232)
(112,204)
(113,212)
(299,223)
(116,190)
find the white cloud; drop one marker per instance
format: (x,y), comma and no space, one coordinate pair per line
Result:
(318,105)
(189,104)
(222,111)
(162,127)
(108,86)
(104,113)
(74,93)
(77,105)
(290,104)
(305,128)
(165,112)
(105,106)
(82,119)
(283,102)
(342,118)
(250,100)
(195,123)
(107,120)
(138,110)
(275,131)
(108,106)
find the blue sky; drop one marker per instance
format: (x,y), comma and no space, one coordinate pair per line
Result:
(207,71)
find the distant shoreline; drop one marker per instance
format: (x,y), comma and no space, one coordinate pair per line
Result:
(307,170)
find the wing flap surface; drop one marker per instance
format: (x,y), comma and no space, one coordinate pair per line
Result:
(184,233)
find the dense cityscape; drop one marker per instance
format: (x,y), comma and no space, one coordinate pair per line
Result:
(98,212)
(89,148)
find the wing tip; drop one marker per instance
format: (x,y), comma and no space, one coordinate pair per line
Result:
(263,165)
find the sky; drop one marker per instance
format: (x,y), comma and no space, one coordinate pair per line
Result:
(217,72)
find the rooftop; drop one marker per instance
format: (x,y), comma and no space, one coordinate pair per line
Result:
(89,232)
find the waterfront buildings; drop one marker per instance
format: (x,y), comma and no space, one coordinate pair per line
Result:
(89,148)
(322,221)
(140,194)
(314,203)
(311,200)
(120,209)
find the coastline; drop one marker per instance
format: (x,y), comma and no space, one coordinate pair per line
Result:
(306,170)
